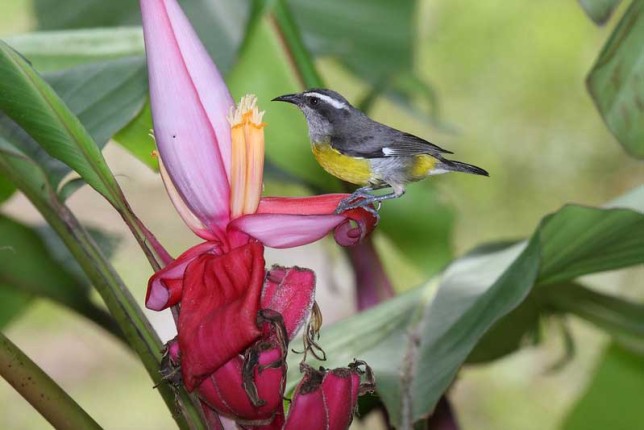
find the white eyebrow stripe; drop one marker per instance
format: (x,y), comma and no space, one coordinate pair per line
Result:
(333,102)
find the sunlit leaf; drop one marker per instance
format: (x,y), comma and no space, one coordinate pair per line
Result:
(614,396)
(55,50)
(136,138)
(219,23)
(616,81)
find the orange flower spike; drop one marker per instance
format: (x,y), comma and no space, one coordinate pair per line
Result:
(247,132)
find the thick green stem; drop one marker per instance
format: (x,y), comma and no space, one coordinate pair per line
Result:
(53,403)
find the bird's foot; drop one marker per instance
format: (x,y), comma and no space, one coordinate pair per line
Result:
(360,199)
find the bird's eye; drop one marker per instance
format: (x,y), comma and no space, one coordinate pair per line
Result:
(313,101)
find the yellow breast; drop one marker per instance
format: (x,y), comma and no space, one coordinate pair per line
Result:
(354,170)
(423,164)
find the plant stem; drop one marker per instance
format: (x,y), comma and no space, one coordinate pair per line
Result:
(372,284)
(53,403)
(290,32)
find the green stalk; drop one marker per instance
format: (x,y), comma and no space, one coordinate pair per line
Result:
(290,33)
(53,403)
(128,315)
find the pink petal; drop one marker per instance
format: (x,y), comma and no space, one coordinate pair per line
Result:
(189,105)
(284,222)
(286,231)
(291,292)
(184,211)
(164,287)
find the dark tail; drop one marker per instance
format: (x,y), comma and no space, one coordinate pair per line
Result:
(457,166)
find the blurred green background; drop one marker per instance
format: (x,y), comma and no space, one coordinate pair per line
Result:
(510,83)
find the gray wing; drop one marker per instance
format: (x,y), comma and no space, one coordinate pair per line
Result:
(386,143)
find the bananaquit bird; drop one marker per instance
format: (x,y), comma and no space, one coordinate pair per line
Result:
(353,147)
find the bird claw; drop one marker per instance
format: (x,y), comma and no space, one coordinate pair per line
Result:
(359,199)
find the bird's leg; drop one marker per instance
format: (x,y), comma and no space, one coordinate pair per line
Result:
(362,199)
(360,193)
(353,200)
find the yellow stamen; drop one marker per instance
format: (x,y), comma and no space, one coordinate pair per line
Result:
(247,164)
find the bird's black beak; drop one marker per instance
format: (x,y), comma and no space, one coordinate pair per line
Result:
(289,98)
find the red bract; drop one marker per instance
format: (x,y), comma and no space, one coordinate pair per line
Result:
(250,388)
(327,399)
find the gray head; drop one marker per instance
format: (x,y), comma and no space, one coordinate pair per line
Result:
(324,110)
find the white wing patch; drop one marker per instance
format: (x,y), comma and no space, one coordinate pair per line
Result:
(388,151)
(330,100)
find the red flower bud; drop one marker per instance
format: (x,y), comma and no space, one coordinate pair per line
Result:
(327,399)
(248,389)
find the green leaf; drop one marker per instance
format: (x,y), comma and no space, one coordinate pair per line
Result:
(622,319)
(6,189)
(27,99)
(55,169)
(417,342)
(614,396)
(219,24)
(55,50)
(509,333)
(28,266)
(105,96)
(135,137)
(474,293)
(599,10)
(12,302)
(616,81)
(373,38)
(579,241)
